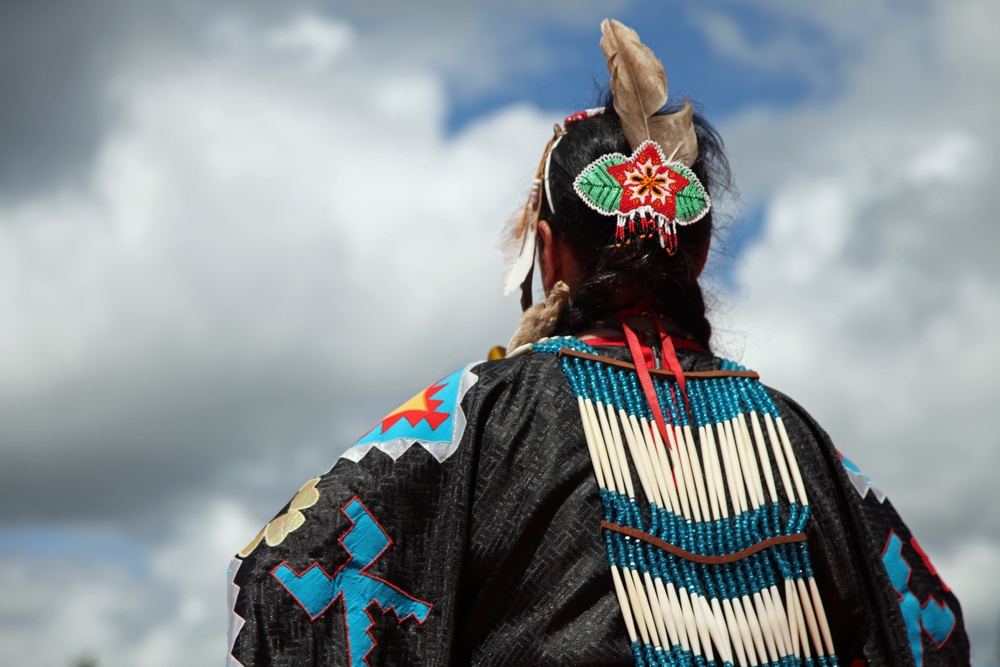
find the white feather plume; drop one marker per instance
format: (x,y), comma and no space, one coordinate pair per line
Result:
(518,249)
(517,240)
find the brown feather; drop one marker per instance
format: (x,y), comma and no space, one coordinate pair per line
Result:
(639,86)
(675,132)
(638,82)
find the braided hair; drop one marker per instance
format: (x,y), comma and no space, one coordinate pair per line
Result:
(641,269)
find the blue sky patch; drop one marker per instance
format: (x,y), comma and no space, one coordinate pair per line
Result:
(724,57)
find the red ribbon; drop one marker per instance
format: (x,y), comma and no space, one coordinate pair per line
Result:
(669,355)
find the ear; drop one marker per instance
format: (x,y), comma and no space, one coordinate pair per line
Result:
(548,256)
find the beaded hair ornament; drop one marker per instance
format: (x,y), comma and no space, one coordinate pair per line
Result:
(648,192)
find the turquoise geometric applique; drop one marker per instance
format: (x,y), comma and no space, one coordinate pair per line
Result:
(315,590)
(433,419)
(932,617)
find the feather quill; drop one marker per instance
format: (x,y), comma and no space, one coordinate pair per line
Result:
(639,86)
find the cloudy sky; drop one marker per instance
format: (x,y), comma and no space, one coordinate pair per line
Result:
(234,235)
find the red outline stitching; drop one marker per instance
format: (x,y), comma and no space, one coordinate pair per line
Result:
(340,594)
(927,562)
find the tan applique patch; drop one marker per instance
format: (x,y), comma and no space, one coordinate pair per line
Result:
(275,532)
(306,497)
(248,549)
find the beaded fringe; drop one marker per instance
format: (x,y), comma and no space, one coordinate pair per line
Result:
(710,491)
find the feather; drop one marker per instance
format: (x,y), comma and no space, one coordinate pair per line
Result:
(675,134)
(639,86)
(517,242)
(638,82)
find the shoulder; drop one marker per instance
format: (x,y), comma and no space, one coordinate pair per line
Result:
(868,564)
(433,419)
(533,377)
(384,524)
(822,462)
(421,442)
(797,417)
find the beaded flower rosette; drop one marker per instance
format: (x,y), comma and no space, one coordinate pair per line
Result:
(648,193)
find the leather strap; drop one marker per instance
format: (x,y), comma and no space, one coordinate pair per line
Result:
(706,560)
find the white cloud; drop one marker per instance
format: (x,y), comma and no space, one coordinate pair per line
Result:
(54,615)
(782,52)
(192,565)
(248,223)
(873,294)
(948,159)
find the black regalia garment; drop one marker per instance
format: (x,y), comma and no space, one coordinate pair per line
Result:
(465,529)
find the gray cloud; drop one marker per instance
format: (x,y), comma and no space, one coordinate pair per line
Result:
(53,108)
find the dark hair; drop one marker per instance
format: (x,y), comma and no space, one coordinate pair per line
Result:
(668,282)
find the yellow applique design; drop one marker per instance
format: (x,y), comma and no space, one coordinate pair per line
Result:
(280,526)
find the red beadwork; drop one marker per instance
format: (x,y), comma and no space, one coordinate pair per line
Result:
(648,182)
(582,115)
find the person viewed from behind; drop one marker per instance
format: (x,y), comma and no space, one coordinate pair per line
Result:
(610,492)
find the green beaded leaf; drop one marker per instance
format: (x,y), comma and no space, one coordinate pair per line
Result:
(599,188)
(692,201)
